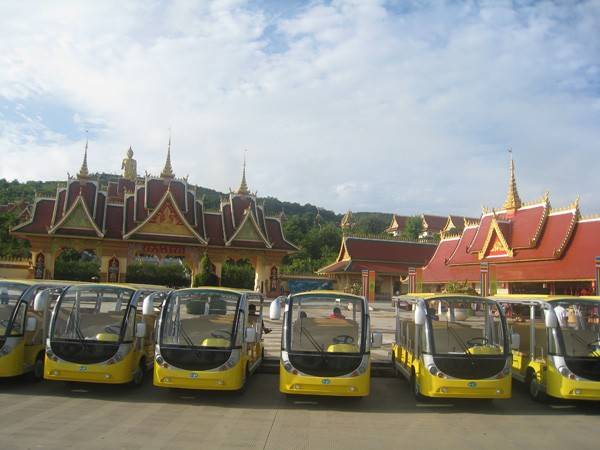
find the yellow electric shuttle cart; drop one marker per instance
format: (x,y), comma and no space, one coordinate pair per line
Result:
(24,316)
(209,338)
(452,346)
(556,344)
(326,344)
(99,333)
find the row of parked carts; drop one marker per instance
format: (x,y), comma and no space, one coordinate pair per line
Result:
(454,346)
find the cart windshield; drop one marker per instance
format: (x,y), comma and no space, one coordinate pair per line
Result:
(200,318)
(464,325)
(91,313)
(579,323)
(10,293)
(326,324)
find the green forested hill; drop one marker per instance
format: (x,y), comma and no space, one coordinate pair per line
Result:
(319,239)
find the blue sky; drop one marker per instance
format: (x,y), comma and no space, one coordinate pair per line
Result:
(403,106)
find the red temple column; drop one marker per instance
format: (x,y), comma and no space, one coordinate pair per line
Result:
(597,284)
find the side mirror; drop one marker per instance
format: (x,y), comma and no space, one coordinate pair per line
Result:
(250,335)
(40,303)
(31,324)
(148,306)
(420,315)
(515,341)
(550,318)
(275,310)
(376,339)
(140,330)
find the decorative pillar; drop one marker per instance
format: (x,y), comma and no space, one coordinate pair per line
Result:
(484,279)
(412,280)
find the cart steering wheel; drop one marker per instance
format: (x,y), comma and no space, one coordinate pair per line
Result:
(594,345)
(343,339)
(113,329)
(221,334)
(477,341)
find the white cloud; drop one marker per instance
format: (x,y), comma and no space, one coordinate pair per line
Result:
(361,107)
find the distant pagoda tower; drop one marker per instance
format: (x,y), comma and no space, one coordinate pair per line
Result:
(167,171)
(347,223)
(83,171)
(318,218)
(243,189)
(513,201)
(129,166)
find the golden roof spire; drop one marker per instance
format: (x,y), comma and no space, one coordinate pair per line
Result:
(347,221)
(83,172)
(243,185)
(167,172)
(513,201)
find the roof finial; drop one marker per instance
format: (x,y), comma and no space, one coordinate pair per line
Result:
(243,185)
(513,201)
(83,172)
(167,172)
(347,222)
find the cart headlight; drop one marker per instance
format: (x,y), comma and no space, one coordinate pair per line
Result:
(565,372)
(433,370)
(234,358)
(121,353)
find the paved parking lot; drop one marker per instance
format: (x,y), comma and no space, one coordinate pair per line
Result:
(52,415)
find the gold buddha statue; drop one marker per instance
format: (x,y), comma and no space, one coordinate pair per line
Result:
(129,166)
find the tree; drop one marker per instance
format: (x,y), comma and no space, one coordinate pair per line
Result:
(77,266)
(238,274)
(413,228)
(206,276)
(172,274)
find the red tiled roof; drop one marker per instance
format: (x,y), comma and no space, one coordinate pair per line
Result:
(88,192)
(140,210)
(60,205)
(437,269)
(461,255)
(525,225)
(576,264)
(114,222)
(227,220)
(42,217)
(275,235)
(129,221)
(481,235)
(435,223)
(364,249)
(401,223)
(100,205)
(214,229)
(239,205)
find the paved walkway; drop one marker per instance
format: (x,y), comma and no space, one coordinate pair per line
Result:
(56,415)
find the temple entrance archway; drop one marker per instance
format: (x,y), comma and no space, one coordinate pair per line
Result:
(74,265)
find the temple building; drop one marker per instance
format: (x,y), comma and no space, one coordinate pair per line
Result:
(387,257)
(519,248)
(432,226)
(133,217)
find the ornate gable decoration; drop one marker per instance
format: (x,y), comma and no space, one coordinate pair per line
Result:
(77,218)
(166,220)
(249,230)
(495,244)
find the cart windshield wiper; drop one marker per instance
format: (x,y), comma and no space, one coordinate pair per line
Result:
(311,339)
(461,343)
